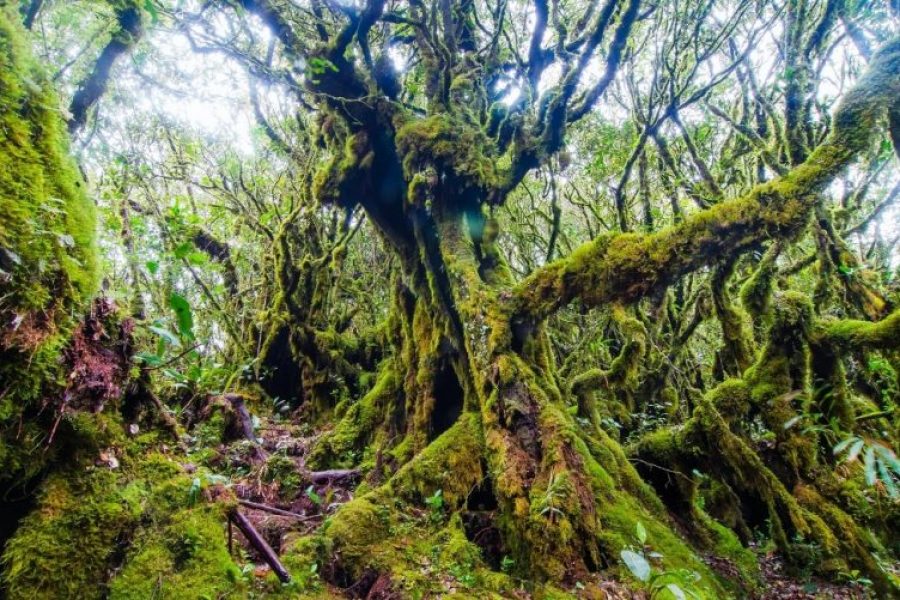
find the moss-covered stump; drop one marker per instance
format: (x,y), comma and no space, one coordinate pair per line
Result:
(47,254)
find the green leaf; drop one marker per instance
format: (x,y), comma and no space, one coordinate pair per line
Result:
(855,450)
(312,495)
(152,267)
(889,458)
(153,360)
(150,7)
(194,491)
(676,591)
(182,250)
(183,315)
(887,479)
(841,446)
(869,463)
(197,258)
(637,564)
(166,335)
(436,500)
(641,533)
(793,421)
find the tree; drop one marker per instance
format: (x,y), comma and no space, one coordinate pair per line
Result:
(433,117)
(471,385)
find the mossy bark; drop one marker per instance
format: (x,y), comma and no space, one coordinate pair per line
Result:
(48,263)
(468,405)
(470,398)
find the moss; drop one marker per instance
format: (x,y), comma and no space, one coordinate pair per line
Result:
(780,379)
(338,180)
(48,262)
(354,432)
(282,469)
(736,353)
(419,556)
(46,218)
(756,292)
(451,463)
(444,142)
(853,334)
(616,384)
(185,558)
(138,522)
(66,548)
(356,530)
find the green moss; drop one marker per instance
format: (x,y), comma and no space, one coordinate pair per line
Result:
(138,522)
(853,334)
(357,528)
(780,379)
(338,180)
(354,432)
(46,218)
(445,142)
(756,292)
(451,463)
(283,470)
(48,263)
(185,558)
(66,548)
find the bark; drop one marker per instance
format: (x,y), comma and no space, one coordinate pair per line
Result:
(128,31)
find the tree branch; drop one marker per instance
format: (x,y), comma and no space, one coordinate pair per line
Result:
(628,267)
(129,31)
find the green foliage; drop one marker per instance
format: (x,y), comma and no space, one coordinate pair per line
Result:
(246,269)
(880,465)
(677,583)
(435,504)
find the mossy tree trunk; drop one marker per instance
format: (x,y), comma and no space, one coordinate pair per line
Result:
(469,349)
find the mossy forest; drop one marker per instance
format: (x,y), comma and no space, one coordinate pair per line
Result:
(412,299)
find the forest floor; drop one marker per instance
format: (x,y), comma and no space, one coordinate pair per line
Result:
(272,474)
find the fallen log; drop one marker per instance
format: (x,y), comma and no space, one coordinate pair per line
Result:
(275,510)
(260,545)
(331,475)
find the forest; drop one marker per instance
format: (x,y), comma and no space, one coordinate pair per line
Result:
(409,299)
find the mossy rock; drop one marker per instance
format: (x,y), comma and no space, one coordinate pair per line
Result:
(67,546)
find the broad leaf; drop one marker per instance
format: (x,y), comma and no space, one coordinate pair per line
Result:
(637,564)
(166,335)
(183,315)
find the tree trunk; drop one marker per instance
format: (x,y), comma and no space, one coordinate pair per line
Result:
(471,406)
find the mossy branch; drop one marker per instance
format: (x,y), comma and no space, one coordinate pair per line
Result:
(857,335)
(627,267)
